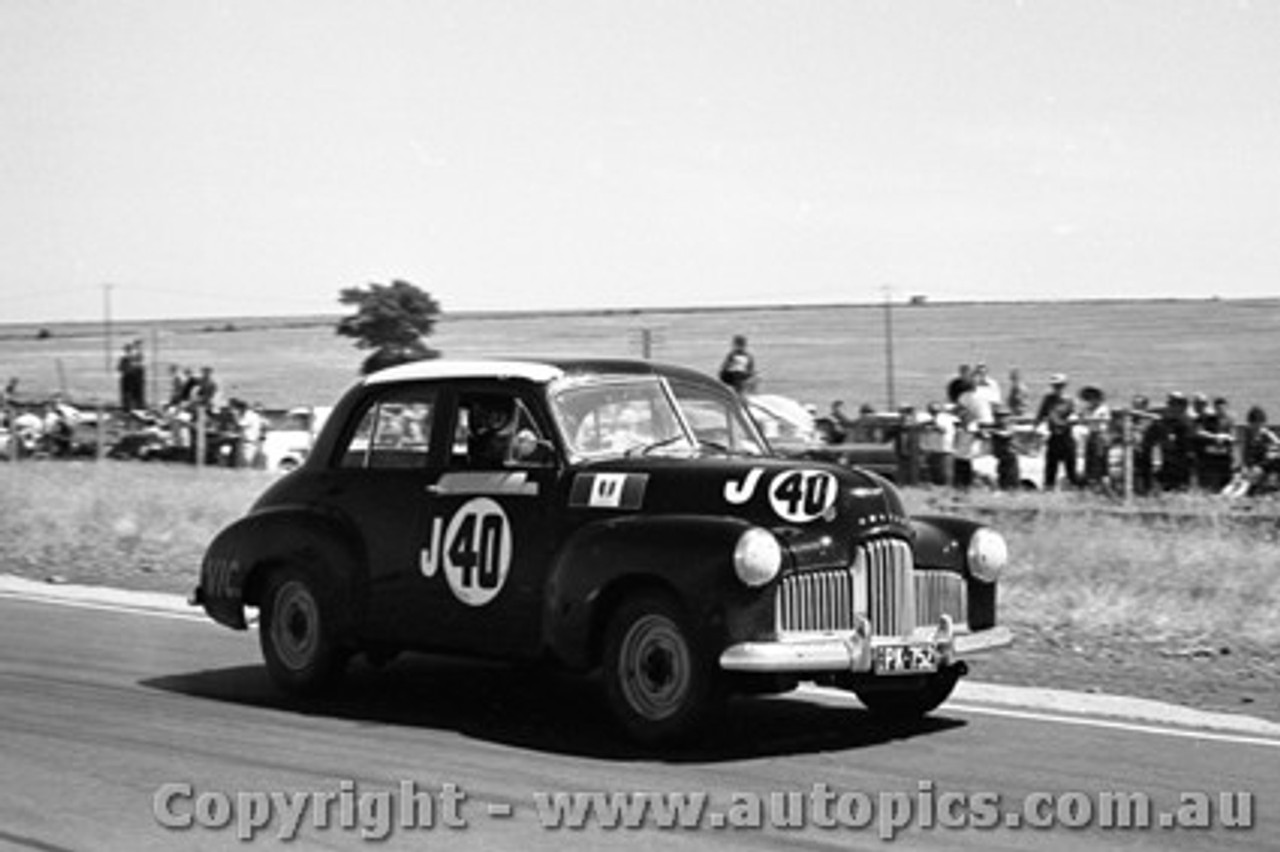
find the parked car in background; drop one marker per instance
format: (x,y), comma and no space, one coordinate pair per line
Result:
(291,434)
(793,431)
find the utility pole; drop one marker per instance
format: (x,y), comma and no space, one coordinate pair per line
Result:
(106,324)
(107,348)
(888,345)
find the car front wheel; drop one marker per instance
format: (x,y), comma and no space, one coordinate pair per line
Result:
(297,636)
(660,686)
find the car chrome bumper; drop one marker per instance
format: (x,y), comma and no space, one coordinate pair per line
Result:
(852,651)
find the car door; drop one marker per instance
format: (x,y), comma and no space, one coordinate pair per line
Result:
(490,531)
(379,482)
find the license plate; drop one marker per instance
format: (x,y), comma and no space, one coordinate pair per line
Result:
(905,659)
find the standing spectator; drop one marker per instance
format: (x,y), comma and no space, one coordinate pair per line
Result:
(188,392)
(1215,438)
(1259,456)
(1199,408)
(177,384)
(133,377)
(907,445)
(937,442)
(1140,419)
(1096,416)
(961,384)
(999,435)
(1170,438)
(738,370)
(981,399)
(138,375)
(966,447)
(251,430)
(122,368)
(204,393)
(985,387)
(1057,414)
(979,404)
(1019,400)
(834,428)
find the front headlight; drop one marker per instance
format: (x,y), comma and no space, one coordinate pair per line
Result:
(988,554)
(757,558)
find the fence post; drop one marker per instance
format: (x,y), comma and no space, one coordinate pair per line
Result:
(1126,457)
(201,438)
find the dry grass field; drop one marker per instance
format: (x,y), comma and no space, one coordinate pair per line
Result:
(814,353)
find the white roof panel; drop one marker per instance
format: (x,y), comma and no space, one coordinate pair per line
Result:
(445,368)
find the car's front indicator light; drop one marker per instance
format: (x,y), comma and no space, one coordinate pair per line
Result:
(757,558)
(988,555)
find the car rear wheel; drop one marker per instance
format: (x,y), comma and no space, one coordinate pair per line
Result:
(904,701)
(297,635)
(661,687)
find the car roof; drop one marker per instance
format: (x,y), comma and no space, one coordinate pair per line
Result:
(537,370)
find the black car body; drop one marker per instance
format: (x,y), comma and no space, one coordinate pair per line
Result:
(612,515)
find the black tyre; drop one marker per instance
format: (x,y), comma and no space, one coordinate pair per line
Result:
(661,686)
(908,701)
(297,635)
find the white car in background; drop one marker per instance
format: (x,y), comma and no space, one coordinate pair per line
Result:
(794,431)
(291,434)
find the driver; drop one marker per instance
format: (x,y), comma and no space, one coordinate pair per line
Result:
(489,423)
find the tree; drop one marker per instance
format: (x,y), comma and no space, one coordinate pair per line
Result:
(392,320)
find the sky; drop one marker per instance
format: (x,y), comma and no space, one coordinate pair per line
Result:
(255,157)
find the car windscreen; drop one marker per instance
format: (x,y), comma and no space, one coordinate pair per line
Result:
(640,416)
(614,418)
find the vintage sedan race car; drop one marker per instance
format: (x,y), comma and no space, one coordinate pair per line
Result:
(617,516)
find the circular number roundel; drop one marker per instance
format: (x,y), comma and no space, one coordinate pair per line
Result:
(477,551)
(801,496)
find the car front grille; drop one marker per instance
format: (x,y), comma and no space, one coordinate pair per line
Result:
(890,590)
(820,600)
(940,593)
(881,584)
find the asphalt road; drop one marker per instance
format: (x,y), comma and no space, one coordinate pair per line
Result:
(112,722)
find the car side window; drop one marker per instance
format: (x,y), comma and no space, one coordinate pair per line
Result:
(495,430)
(394,432)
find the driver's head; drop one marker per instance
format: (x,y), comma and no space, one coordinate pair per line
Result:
(489,414)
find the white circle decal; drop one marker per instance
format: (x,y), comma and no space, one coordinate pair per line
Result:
(477,551)
(801,496)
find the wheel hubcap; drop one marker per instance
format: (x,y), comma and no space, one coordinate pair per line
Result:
(655,667)
(294,626)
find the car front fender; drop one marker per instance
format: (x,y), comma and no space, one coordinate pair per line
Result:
(691,557)
(942,543)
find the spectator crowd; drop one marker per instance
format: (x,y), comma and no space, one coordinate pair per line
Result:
(194,422)
(1080,439)
(1006,436)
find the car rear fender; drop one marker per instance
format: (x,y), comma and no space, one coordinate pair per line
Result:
(688,556)
(238,560)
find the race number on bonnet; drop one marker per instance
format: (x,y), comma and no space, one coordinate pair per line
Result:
(801,496)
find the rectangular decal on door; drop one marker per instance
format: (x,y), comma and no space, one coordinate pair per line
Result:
(486,482)
(608,490)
